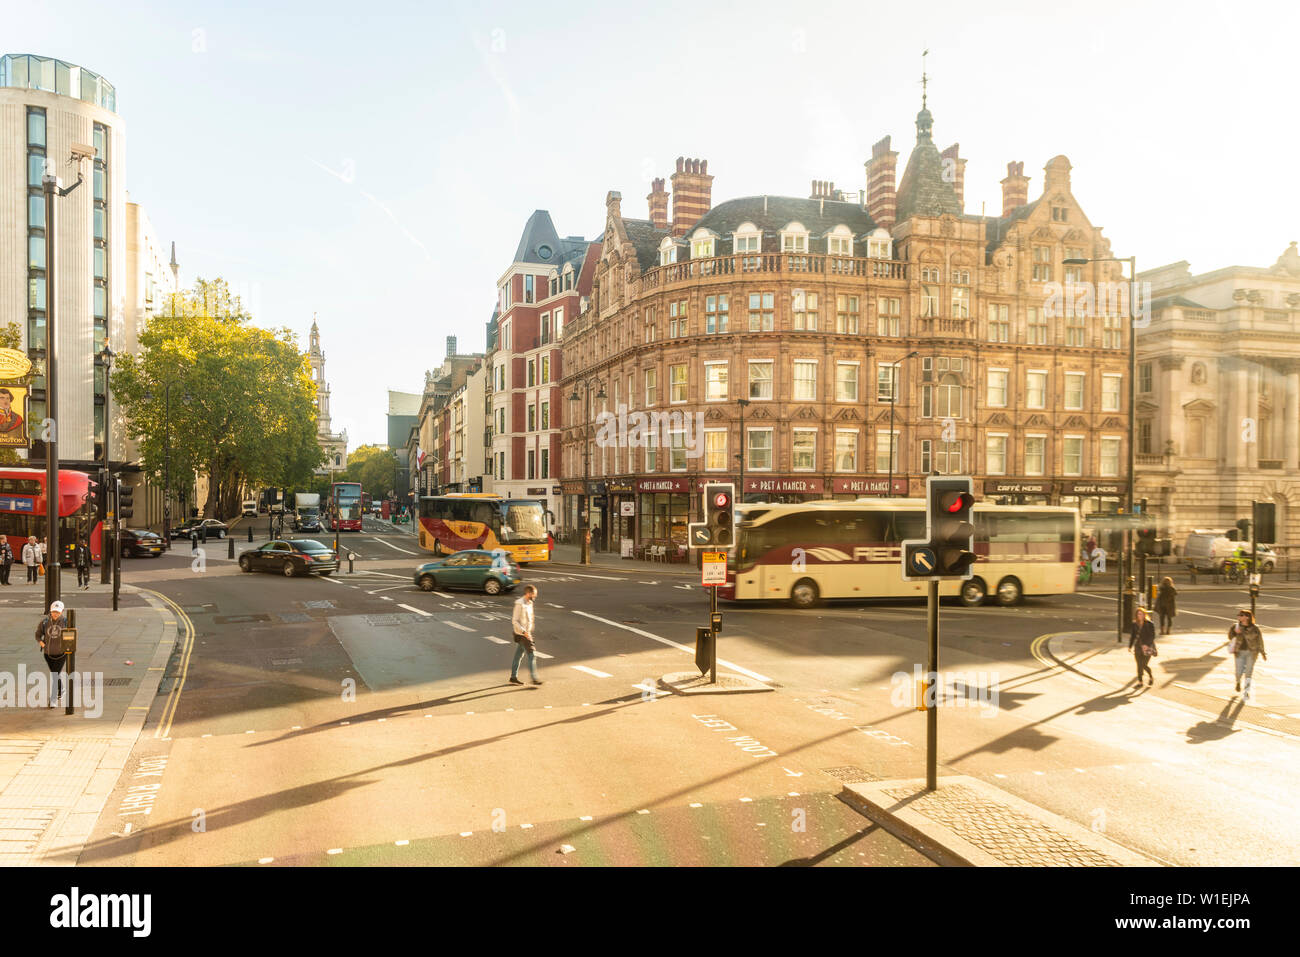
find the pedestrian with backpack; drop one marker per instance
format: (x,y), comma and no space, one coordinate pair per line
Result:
(49,635)
(522,624)
(1166,605)
(1142,641)
(1245,644)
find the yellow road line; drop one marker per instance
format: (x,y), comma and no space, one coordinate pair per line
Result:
(187,647)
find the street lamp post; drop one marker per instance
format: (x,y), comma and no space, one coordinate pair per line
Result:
(586,460)
(1126,559)
(893,400)
(105,572)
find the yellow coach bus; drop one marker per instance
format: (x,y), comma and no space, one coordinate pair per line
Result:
(450,523)
(814,550)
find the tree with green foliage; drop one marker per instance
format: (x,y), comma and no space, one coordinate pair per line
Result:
(242,406)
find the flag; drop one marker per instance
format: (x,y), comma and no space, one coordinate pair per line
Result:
(419,457)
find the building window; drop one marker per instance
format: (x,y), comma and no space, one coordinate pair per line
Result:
(528,296)
(651,386)
(889,310)
(760,378)
(886,382)
(1075,330)
(803,306)
(677,450)
(532,373)
(677,319)
(1035,327)
(1042,264)
(886,447)
(846,382)
(715,382)
(532,418)
(650,325)
(1110,390)
(505,336)
(929,300)
(546,370)
(846,315)
(651,452)
(878,247)
(701,246)
(1058,214)
(715,450)
(667,252)
(546,464)
(1035,446)
(715,314)
(1074,274)
(803,450)
(997,388)
(840,245)
(948,458)
(794,240)
(760,312)
(501,378)
(1074,391)
(949,405)
(846,451)
(1144,436)
(995,455)
(759,449)
(999,322)
(746,239)
(557,320)
(1110,457)
(1112,332)
(1036,390)
(926,459)
(677,383)
(961,302)
(546,416)
(1144,378)
(805,380)
(501,421)
(532,464)
(1072,453)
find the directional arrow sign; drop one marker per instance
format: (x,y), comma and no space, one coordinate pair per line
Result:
(923,561)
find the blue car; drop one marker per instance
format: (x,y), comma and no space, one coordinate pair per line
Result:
(473,568)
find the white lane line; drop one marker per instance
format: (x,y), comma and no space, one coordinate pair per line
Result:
(443,594)
(672,644)
(418,611)
(553,605)
(591,671)
(539,654)
(495,639)
(392,546)
(604,578)
(452,624)
(1182,612)
(332,581)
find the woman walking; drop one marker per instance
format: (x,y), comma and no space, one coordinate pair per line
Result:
(1246,643)
(1166,605)
(1142,641)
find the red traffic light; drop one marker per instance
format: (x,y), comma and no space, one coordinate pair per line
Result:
(955,502)
(721,500)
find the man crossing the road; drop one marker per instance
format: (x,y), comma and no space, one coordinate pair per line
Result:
(522,624)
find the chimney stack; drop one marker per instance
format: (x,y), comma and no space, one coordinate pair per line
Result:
(882,194)
(822,189)
(658,200)
(451,346)
(1015,188)
(954,171)
(692,193)
(1056,174)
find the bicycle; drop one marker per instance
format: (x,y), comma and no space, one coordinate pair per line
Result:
(1235,571)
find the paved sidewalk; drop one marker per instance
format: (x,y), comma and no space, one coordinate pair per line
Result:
(969,822)
(572,555)
(57,770)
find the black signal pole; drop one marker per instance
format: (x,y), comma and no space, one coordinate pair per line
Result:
(931,690)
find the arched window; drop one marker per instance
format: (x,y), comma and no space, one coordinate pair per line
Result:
(949,405)
(880,245)
(338,459)
(667,252)
(747,239)
(839,242)
(702,244)
(794,238)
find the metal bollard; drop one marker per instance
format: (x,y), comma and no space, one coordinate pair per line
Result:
(230,551)
(351,558)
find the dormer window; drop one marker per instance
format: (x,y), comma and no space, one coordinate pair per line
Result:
(747,238)
(880,245)
(702,244)
(568,277)
(667,252)
(840,241)
(794,239)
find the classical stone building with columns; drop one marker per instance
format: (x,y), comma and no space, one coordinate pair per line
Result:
(1218,405)
(847,344)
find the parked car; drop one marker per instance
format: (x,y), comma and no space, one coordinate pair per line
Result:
(215,529)
(473,568)
(291,558)
(249,508)
(140,543)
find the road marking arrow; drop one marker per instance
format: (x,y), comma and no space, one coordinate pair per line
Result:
(793,774)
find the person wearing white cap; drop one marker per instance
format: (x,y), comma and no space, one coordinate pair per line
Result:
(49,635)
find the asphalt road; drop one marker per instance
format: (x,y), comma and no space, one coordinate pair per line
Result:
(359,720)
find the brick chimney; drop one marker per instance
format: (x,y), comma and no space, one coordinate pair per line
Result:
(954,171)
(822,189)
(882,194)
(658,200)
(1056,174)
(451,345)
(692,193)
(1015,188)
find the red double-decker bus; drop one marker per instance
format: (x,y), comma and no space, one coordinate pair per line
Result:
(23,509)
(345,507)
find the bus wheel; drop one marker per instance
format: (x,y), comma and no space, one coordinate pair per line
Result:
(1010,592)
(804,593)
(974,592)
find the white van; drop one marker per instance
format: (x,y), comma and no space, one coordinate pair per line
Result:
(1206,549)
(249,507)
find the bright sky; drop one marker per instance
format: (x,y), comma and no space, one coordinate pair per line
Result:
(375,163)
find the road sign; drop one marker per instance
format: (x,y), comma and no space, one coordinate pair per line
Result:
(921,562)
(700,536)
(713,569)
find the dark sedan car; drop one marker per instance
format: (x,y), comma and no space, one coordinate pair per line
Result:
(215,529)
(141,544)
(290,558)
(473,568)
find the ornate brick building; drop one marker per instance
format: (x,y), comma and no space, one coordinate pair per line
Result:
(813,319)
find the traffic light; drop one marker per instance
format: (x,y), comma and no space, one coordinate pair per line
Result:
(949,550)
(1265,516)
(720,513)
(125,493)
(1243,529)
(1146,541)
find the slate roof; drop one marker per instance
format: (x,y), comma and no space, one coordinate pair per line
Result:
(540,243)
(996,227)
(922,190)
(1181,302)
(646,238)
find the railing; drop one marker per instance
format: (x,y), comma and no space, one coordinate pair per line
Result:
(780,263)
(1149,458)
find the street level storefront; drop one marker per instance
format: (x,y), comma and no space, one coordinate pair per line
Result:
(663,510)
(571,514)
(783,489)
(1021,491)
(1094,496)
(848,489)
